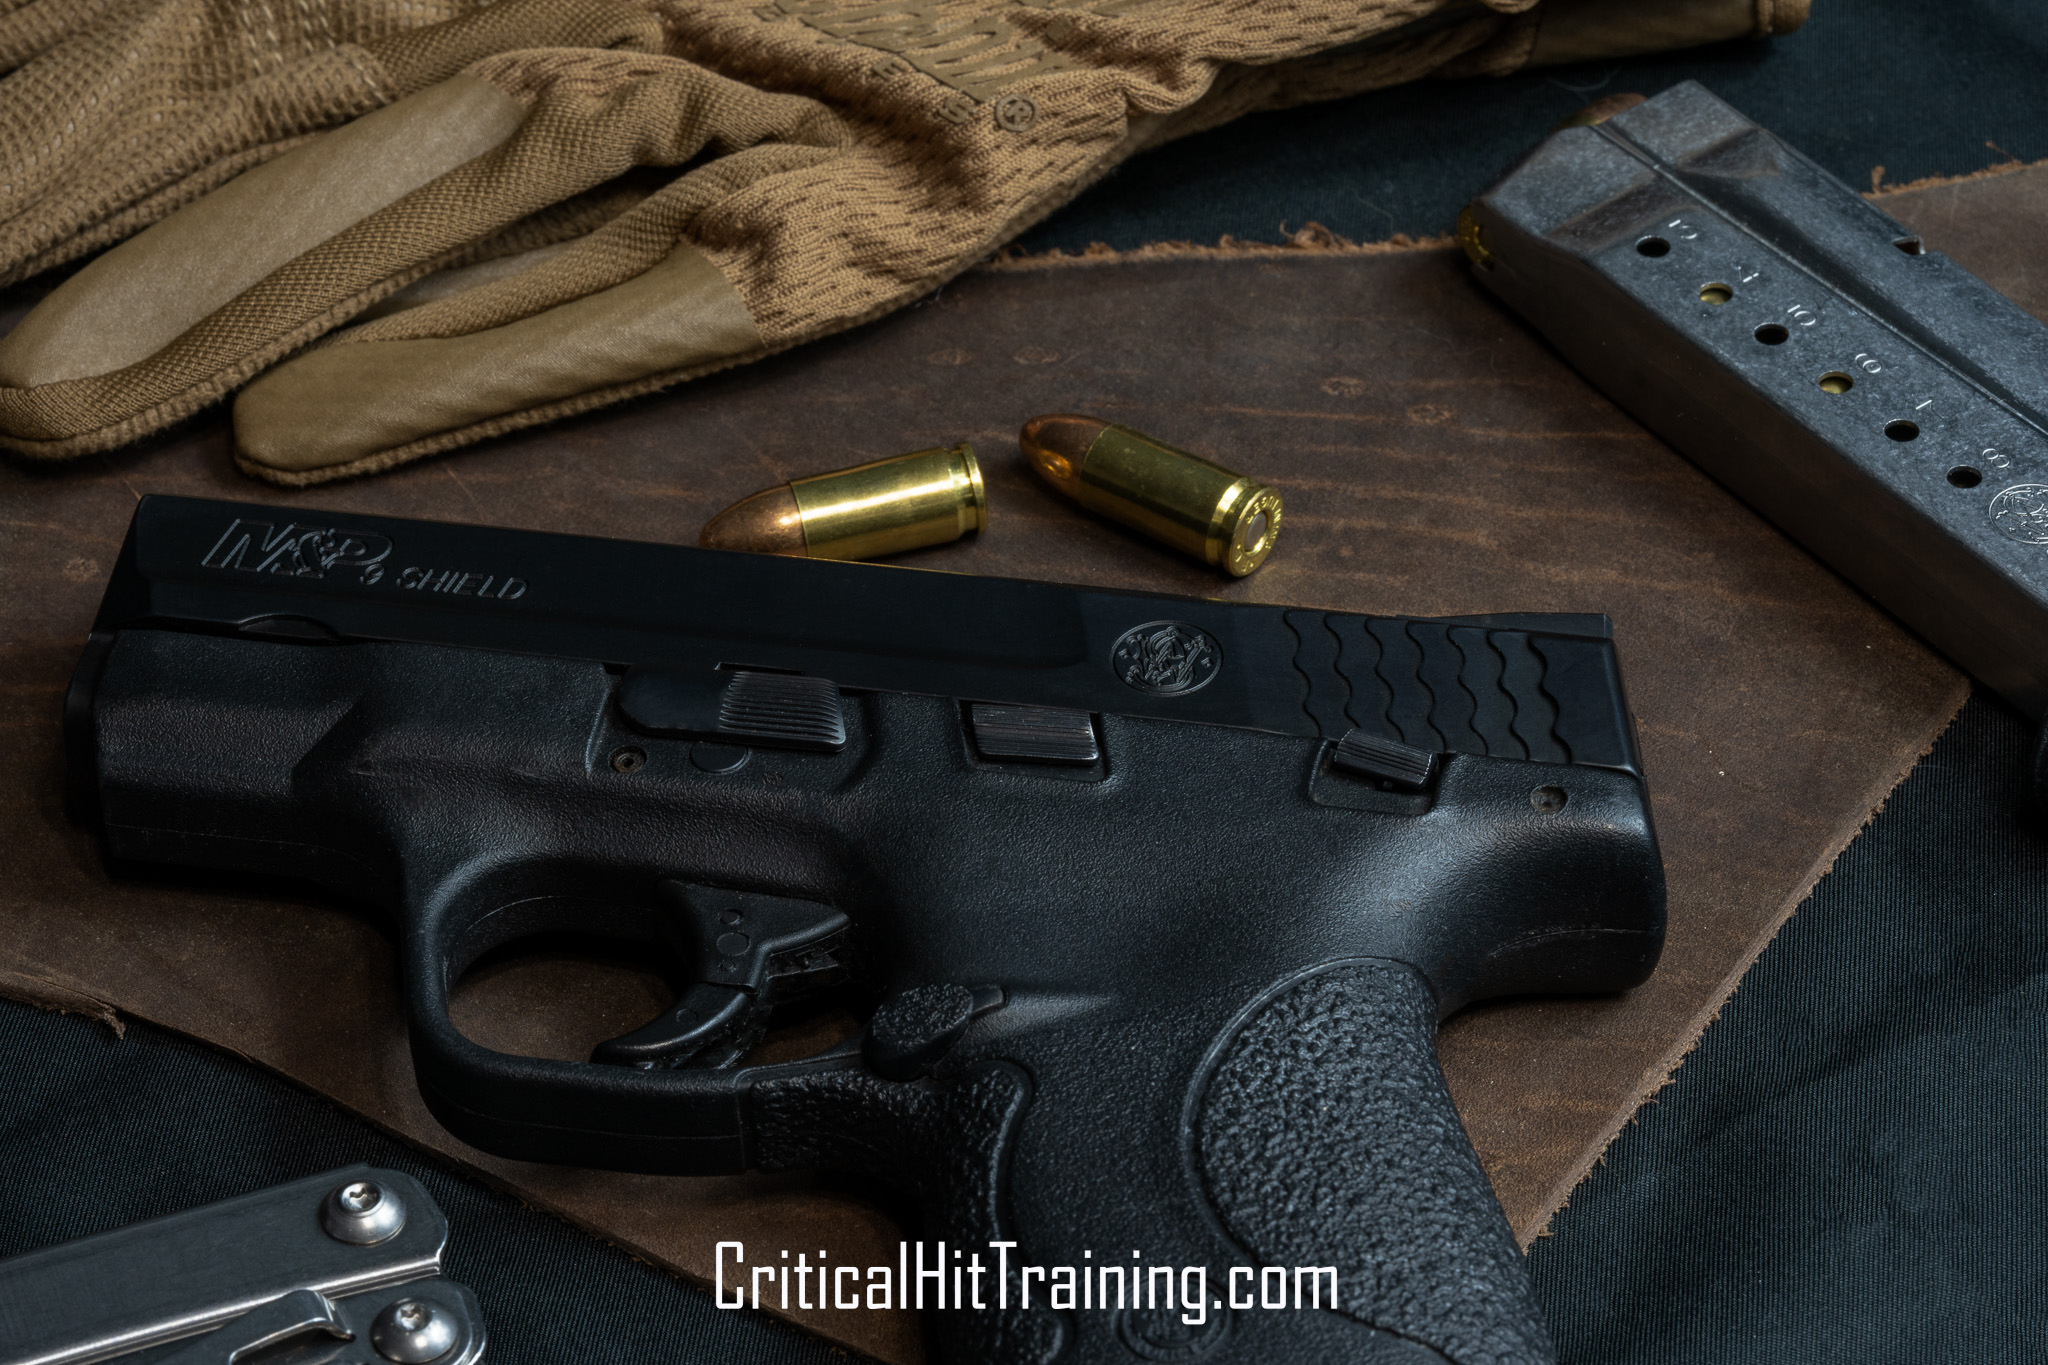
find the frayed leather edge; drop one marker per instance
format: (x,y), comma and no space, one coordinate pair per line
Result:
(1665,1070)
(1311,239)
(64,996)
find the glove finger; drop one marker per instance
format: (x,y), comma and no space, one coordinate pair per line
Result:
(137,107)
(347,409)
(127,109)
(521,245)
(630,307)
(175,317)
(80,364)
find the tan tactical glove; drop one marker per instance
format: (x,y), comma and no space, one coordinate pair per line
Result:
(548,224)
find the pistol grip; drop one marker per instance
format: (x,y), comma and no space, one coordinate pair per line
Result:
(1317,1133)
(1324,1134)
(948,1146)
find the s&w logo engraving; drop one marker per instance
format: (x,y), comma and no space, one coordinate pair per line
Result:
(300,551)
(1166,658)
(332,552)
(2021,511)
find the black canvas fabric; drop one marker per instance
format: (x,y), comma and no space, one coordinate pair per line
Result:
(98,1131)
(1920,89)
(1849,1168)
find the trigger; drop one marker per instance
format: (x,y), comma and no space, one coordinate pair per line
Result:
(703,1018)
(747,953)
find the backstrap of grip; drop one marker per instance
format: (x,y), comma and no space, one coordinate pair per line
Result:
(1325,1136)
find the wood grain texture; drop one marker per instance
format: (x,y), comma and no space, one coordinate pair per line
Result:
(1436,458)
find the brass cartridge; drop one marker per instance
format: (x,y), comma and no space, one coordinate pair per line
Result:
(905,502)
(1195,505)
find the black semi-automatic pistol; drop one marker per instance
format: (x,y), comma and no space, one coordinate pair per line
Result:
(1153,904)
(1883,406)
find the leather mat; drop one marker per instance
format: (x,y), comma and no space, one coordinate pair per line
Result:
(1436,459)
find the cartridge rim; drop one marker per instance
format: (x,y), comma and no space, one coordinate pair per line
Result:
(1249,516)
(977,491)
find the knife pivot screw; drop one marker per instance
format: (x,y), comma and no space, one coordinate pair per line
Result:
(1549,800)
(362,1213)
(629,760)
(414,1331)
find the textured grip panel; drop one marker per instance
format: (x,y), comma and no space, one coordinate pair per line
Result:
(1326,1137)
(947,1145)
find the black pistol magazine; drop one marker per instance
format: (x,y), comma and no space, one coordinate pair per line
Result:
(1883,406)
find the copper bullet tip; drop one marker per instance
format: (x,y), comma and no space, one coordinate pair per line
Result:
(1057,443)
(767,523)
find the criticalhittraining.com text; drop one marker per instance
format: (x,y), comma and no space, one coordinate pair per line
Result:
(936,1276)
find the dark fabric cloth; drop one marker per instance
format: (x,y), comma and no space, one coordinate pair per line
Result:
(1849,1167)
(97,1132)
(1920,89)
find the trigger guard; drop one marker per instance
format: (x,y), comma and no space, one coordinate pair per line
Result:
(686,1119)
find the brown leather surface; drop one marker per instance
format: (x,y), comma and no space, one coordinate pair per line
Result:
(1435,459)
